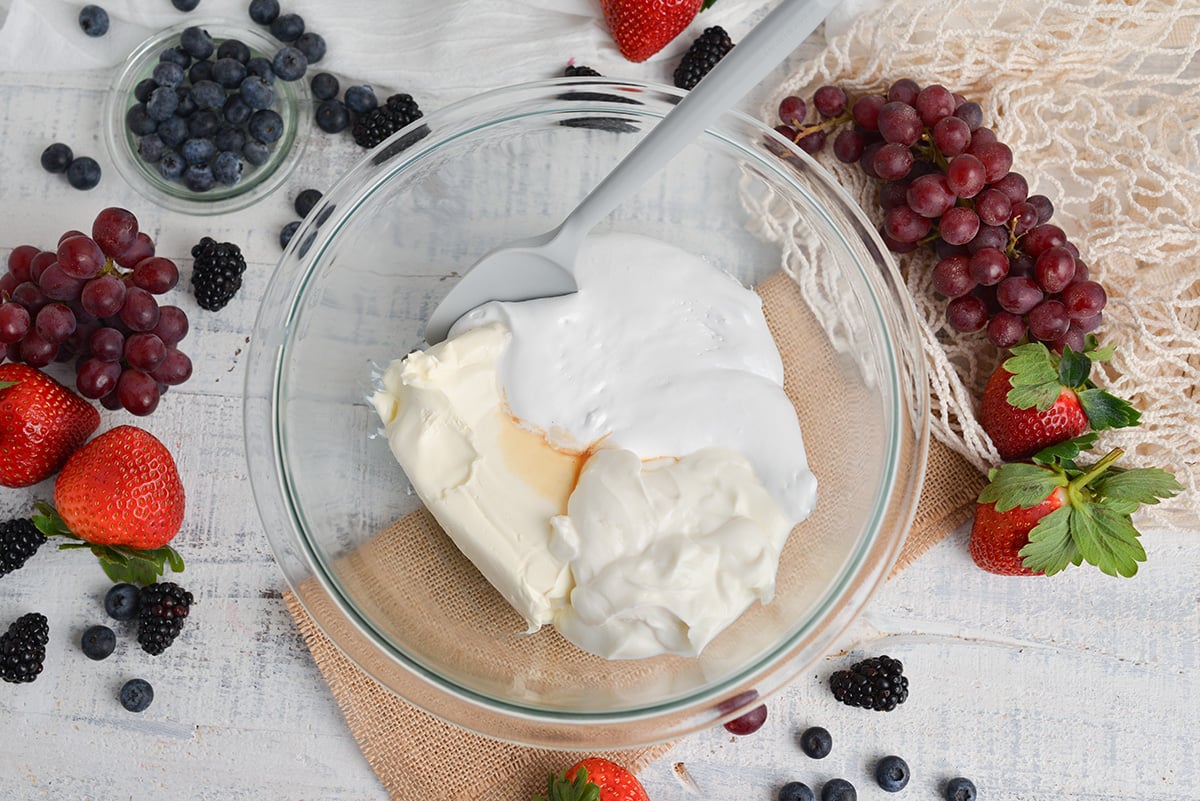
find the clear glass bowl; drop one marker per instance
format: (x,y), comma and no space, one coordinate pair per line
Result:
(352,292)
(293,102)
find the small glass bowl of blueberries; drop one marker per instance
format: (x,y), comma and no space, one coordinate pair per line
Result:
(209,117)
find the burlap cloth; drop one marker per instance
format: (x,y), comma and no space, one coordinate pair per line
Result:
(418,756)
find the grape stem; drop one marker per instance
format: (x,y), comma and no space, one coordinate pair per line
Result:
(807,130)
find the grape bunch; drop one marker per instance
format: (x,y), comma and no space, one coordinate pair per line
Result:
(948,183)
(93,300)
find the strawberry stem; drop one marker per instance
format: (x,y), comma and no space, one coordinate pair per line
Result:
(1095,470)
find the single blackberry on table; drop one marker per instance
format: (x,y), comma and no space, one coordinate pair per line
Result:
(23,648)
(372,128)
(162,608)
(709,48)
(877,683)
(19,540)
(580,71)
(217,269)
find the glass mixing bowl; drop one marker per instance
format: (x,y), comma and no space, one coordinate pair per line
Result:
(352,292)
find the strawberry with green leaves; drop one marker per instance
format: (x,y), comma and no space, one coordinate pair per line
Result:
(1041,517)
(1036,398)
(41,424)
(643,27)
(594,779)
(120,497)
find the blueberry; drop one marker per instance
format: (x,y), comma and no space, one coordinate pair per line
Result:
(256,153)
(196,42)
(138,120)
(200,71)
(198,151)
(94,20)
(816,742)
(256,92)
(172,132)
(265,125)
(136,695)
(98,642)
(312,45)
(175,55)
(186,106)
(332,116)
(83,173)
(185,5)
(229,72)
(203,124)
(150,148)
(289,64)
(306,200)
(261,66)
(838,790)
(235,49)
(892,773)
(230,138)
(288,232)
(236,111)
(168,74)
(324,86)
(141,92)
(162,104)
(199,178)
(227,168)
(264,12)
(959,789)
(796,791)
(57,157)
(360,99)
(287,27)
(171,167)
(208,94)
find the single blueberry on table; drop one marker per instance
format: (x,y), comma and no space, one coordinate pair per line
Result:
(288,232)
(332,116)
(816,741)
(796,791)
(237,111)
(312,45)
(185,5)
(324,86)
(261,66)
(230,138)
(200,71)
(264,12)
(229,72)
(196,42)
(83,173)
(141,92)
(199,178)
(151,148)
(172,132)
(57,157)
(198,151)
(256,153)
(121,601)
(287,27)
(892,773)
(208,94)
(360,99)
(265,125)
(163,103)
(94,20)
(171,165)
(305,201)
(959,789)
(175,55)
(235,49)
(838,790)
(203,124)
(138,120)
(289,64)
(256,92)
(136,695)
(98,642)
(227,168)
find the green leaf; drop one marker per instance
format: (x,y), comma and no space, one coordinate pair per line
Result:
(1137,486)
(1106,539)
(1018,484)
(1051,549)
(1073,368)
(707,5)
(1034,380)
(1096,353)
(1064,453)
(1105,410)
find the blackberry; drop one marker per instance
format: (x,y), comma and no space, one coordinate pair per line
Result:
(877,683)
(380,123)
(23,648)
(580,71)
(162,608)
(19,540)
(217,269)
(709,48)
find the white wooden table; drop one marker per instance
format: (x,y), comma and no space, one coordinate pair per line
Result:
(1077,687)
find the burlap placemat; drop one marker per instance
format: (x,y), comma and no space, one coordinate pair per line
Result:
(418,756)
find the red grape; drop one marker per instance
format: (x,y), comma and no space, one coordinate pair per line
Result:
(934,103)
(111,401)
(866,111)
(142,248)
(792,111)
(812,142)
(748,723)
(893,161)
(8,282)
(997,159)
(1054,269)
(19,260)
(1005,329)
(981,136)
(156,275)
(96,378)
(115,231)
(992,205)
(144,351)
(905,225)
(966,176)
(1081,269)
(1042,238)
(830,101)
(1024,217)
(58,285)
(172,325)
(952,276)
(40,262)
(892,194)
(788,134)
(1048,320)
(140,310)
(989,266)
(867,160)
(37,352)
(958,225)
(848,146)
(31,296)
(1073,338)
(1014,186)
(971,113)
(904,90)
(138,392)
(1018,295)
(951,136)
(107,344)
(1082,300)
(930,195)
(1045,209)
(967,313)
(1089,324)
(54,323)
(80,257)
(899,122)
(103,296)
(14,322)
(895,245)
(175,368)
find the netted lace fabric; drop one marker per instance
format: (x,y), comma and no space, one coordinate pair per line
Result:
(1100,102)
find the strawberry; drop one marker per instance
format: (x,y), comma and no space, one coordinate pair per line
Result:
(594,779)
(1040,517)
(119,496)
(643,27)
(1035,399)
(41,424)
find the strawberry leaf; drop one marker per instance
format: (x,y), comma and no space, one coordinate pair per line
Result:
(1034,377)
(707,5)
(1096,353)
(1106,539)
(1018,484)
(1105,410)
(1065,453)
(559,788)
(1051,548)
(1137,486)
(1073,368)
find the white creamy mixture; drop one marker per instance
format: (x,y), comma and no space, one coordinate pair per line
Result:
(621,462)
